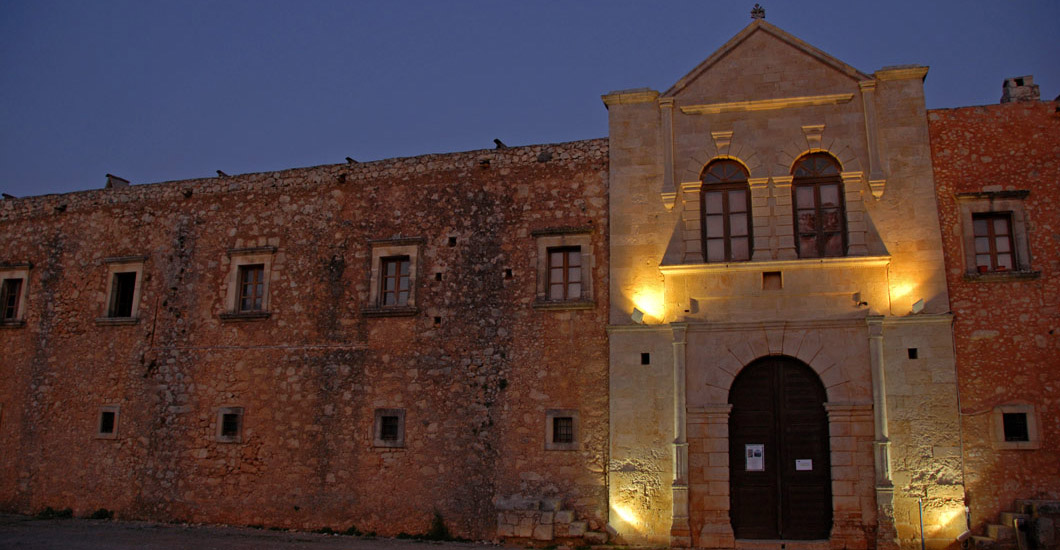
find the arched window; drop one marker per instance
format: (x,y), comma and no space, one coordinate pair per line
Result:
(726,207)
(820,219)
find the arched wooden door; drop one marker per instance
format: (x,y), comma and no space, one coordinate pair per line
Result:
(780,484)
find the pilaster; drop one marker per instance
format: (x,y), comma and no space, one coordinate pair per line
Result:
(785,218)
(680,532)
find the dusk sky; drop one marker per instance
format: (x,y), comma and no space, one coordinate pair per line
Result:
(158,91)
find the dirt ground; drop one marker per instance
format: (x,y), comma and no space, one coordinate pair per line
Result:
(25,532)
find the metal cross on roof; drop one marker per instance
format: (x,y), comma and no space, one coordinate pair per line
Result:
(758,12)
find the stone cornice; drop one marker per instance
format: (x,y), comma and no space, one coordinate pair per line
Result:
(627,97)
(902,73)
(774,265)
(767,104)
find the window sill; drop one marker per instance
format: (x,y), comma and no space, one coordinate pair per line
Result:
(12,323)
(563,447)
(235,439)
(117,321)
(390,311)
(567,305)
(999,276)
(1018,445)
(379,444)
(237,316)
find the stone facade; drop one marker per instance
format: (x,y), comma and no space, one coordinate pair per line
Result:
(572,343)
(762,102)
(1004,158)
(471,363)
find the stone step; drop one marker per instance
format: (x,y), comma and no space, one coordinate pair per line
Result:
(1000,533)
(987,543)
(1007,518)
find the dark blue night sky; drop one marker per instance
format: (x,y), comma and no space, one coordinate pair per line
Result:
(156,91)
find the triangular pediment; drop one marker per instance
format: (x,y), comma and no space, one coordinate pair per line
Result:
(786,65)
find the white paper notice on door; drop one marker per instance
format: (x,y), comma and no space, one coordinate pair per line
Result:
(804,464)
(755,457)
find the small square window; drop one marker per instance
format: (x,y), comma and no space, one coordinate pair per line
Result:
(772,280)
(389,428)
(645,359)
(561,430)
(1015,426)
(10,296)
(913,353)
(107,427)
(230,424)
(251,287)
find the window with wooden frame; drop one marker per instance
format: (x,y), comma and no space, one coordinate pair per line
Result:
(10,296)
(123,290)
(14,281)
(726,212)
(251,287)
(994,246)
(247,293)
(565,273)
(819,207)
(395,281)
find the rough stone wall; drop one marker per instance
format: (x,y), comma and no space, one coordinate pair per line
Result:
(1007,327)
(475,366)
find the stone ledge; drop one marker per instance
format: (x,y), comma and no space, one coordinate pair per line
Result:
(559,306)
(236,316)
(12,323)
(1002,276)
(117,321)
(390,311)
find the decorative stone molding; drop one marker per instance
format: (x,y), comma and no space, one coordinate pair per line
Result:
(767,104)
(627,97)
(813,133)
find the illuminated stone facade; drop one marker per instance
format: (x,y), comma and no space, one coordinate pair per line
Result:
(862,310)
(731,324)
(1004,160)
(322,405)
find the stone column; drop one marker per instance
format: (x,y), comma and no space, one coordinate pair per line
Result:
(669,188)
(785,218)
(877,175)
(709,440)
(857,227)
(691,232)
(886,536)
(680,534)
(760,217)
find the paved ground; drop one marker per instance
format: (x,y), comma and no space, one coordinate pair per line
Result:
(24,532)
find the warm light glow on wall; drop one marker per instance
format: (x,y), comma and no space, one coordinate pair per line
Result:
(625,514)
(650,301)
(903,289)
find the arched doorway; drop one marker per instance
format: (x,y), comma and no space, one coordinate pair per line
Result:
(780,484)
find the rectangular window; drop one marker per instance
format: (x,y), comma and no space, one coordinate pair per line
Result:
(395,281)
(122,292)
(994,250)
(565,273)
(389,428)
(819,220)
(563,429)
(108,422)
(10,293)
(727,224)
(230,424)
(251,287)
(1015,426)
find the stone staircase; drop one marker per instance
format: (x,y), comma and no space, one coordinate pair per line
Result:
(1032,527)
(542,522)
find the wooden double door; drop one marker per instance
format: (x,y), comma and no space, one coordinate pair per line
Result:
(779,467)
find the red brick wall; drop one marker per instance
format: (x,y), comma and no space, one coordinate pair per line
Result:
(474,388)
(1007,333)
